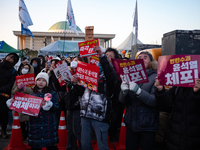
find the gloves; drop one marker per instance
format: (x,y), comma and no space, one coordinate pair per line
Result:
(47,106)
(22,86)
(134,87)
(8,102)
(124,87)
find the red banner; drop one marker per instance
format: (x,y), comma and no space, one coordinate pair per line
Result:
(178,70)
(88,75)
(86,47)
(26,104)
(94,60)
(27,79)
(130,70)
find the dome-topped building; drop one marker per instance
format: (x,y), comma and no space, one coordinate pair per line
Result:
(61,27)
(57,32)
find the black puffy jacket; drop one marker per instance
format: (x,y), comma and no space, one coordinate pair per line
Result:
(7,79)
(184,127)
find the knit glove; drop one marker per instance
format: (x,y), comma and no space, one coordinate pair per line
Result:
(47,105)
(134,87)
(124,87)
(8,102)
(21,86)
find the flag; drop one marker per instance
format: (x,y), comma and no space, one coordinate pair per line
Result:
(135,23)
(26,31)
(24,16)
(71,18)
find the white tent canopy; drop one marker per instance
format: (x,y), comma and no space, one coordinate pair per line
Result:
(128,42)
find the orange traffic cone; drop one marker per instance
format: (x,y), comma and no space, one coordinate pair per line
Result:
(16,140)
(121,144)
(62,132)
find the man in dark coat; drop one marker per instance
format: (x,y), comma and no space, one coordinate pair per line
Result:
(184,128)
(7,79)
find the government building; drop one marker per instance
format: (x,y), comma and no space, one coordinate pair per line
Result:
(58,31)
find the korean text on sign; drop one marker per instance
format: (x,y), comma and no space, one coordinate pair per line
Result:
(130,70)
(27,79)
(88,75)
(26,104)
(86,47)
(178,70)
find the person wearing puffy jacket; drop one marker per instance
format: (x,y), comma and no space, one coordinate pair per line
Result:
(142,116)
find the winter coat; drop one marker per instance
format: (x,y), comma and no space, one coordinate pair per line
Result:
(97,105)
(184,127)
(38,68)
(7,79)
(142,113)
(43,130)
(23,117)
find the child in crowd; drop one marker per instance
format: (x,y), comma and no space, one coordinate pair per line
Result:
(43,131)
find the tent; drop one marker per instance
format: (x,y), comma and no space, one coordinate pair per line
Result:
(5,49)
(61,47)
(128,42)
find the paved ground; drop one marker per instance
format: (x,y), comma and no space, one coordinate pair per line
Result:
(5,142)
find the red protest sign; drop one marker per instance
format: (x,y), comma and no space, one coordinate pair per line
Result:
(94,60)
(86,47)
(27,79)
(178,70)
(130,70)
(88,75)
(26,104)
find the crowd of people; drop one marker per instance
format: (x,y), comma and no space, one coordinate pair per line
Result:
(142,102)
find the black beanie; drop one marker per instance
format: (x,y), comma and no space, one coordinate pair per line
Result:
(16,57)
(150,56)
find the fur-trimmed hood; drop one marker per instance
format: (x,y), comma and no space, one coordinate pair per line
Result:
(153,65)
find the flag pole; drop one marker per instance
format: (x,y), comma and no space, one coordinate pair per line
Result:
(135,24)
(22,41)
(64,37)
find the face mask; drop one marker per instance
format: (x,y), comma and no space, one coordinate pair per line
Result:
(34,65)
(24,71)
(73,64)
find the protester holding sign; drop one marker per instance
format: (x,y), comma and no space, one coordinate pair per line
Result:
(73,108)
(43,130)
(96,106)
(141,116)
(26,69)
(184,127)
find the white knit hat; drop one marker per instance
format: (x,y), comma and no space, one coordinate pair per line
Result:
(43,75)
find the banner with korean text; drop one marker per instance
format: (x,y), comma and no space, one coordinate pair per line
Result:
(178,70)
(94,60)
(130,70)
(88,75)
(86,47)
(62,73)
(27,79)
(26,104)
